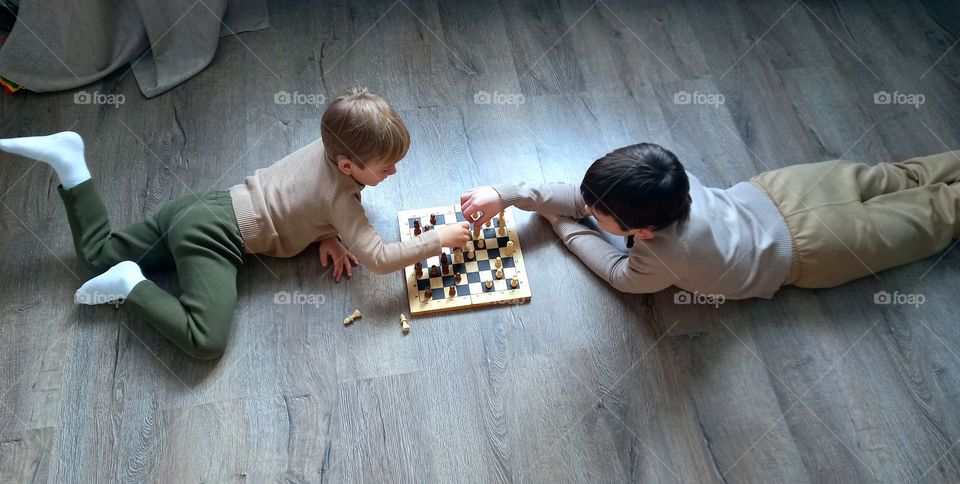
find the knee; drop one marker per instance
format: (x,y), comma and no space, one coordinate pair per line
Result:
(207,348)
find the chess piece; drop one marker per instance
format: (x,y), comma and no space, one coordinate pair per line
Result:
(416,227)
(480,243)
(500,273)
(498,263)
(443,258)
(428,294)
(355,315)
(500,221)
(508,250)
(457,257)
(502,231)
(456,277)
(471,254)
(433,219)
(434,271)
(403,324)
(476,231)
(489,283)
(514,282)
(487,225)
(453,291)
(501,214)
(418,269)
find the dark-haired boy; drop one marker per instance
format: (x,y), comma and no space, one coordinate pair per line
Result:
(812,225)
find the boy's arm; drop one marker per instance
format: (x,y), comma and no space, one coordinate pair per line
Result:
(631,272)
(365,243)
(557,198)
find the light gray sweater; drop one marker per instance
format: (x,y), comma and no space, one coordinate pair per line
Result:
(735,243)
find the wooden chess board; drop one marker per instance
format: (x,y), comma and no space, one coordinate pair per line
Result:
(471,291)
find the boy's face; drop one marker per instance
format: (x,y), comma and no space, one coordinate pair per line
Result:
(370,175)
(609,224)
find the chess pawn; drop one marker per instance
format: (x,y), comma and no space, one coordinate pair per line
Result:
(480,243)
(501,214)
(489,283)
(427,295)
(453,291)
(502,231)
(498,263)
(418,269)
(500,221)
(471,254)
(416,227)
(433,219)
(487,225)
(434,271)
(500,273)
(514,282)
(508,250)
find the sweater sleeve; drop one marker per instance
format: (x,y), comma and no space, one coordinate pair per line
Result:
(555,198)
(360,238)
(633,272)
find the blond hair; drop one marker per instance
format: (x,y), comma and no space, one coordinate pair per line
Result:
(362,126)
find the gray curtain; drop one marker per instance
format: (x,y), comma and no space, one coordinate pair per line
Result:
(58,45)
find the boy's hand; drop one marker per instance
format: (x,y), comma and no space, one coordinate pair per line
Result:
(343,260)
(483,199)
(454,235)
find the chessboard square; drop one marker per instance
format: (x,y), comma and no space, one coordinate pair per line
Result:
(423,284)
(483,265)
(509,272)
(410,221)
(448,281)
(473,277)
(471,267)
(500,285)
(439,293)
(460,217)
(476,288)
(436,282)
(463,290)
(502,241)
(489,233)
(508,262)
(493,253)
(440,219)
(461,268)
(481,255)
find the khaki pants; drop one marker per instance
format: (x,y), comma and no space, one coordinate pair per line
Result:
(850,220)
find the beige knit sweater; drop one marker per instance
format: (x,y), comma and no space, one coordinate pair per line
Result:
(303,198)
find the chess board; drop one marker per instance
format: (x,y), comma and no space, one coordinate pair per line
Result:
(471,290)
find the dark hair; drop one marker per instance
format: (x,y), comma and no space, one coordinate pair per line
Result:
(638,185)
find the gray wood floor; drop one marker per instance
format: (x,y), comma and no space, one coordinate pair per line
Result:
(581,385)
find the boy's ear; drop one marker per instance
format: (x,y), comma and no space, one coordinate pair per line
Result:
(644,233)
(345,165)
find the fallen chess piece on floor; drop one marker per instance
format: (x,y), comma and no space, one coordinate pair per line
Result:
(403,324)
(355,315)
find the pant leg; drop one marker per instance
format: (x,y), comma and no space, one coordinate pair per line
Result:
(208,250)
(97,246)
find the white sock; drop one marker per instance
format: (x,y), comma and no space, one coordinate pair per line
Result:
(62,151)
(110,286)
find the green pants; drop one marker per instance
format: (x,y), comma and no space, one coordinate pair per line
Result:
(197,237)
(850,220)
